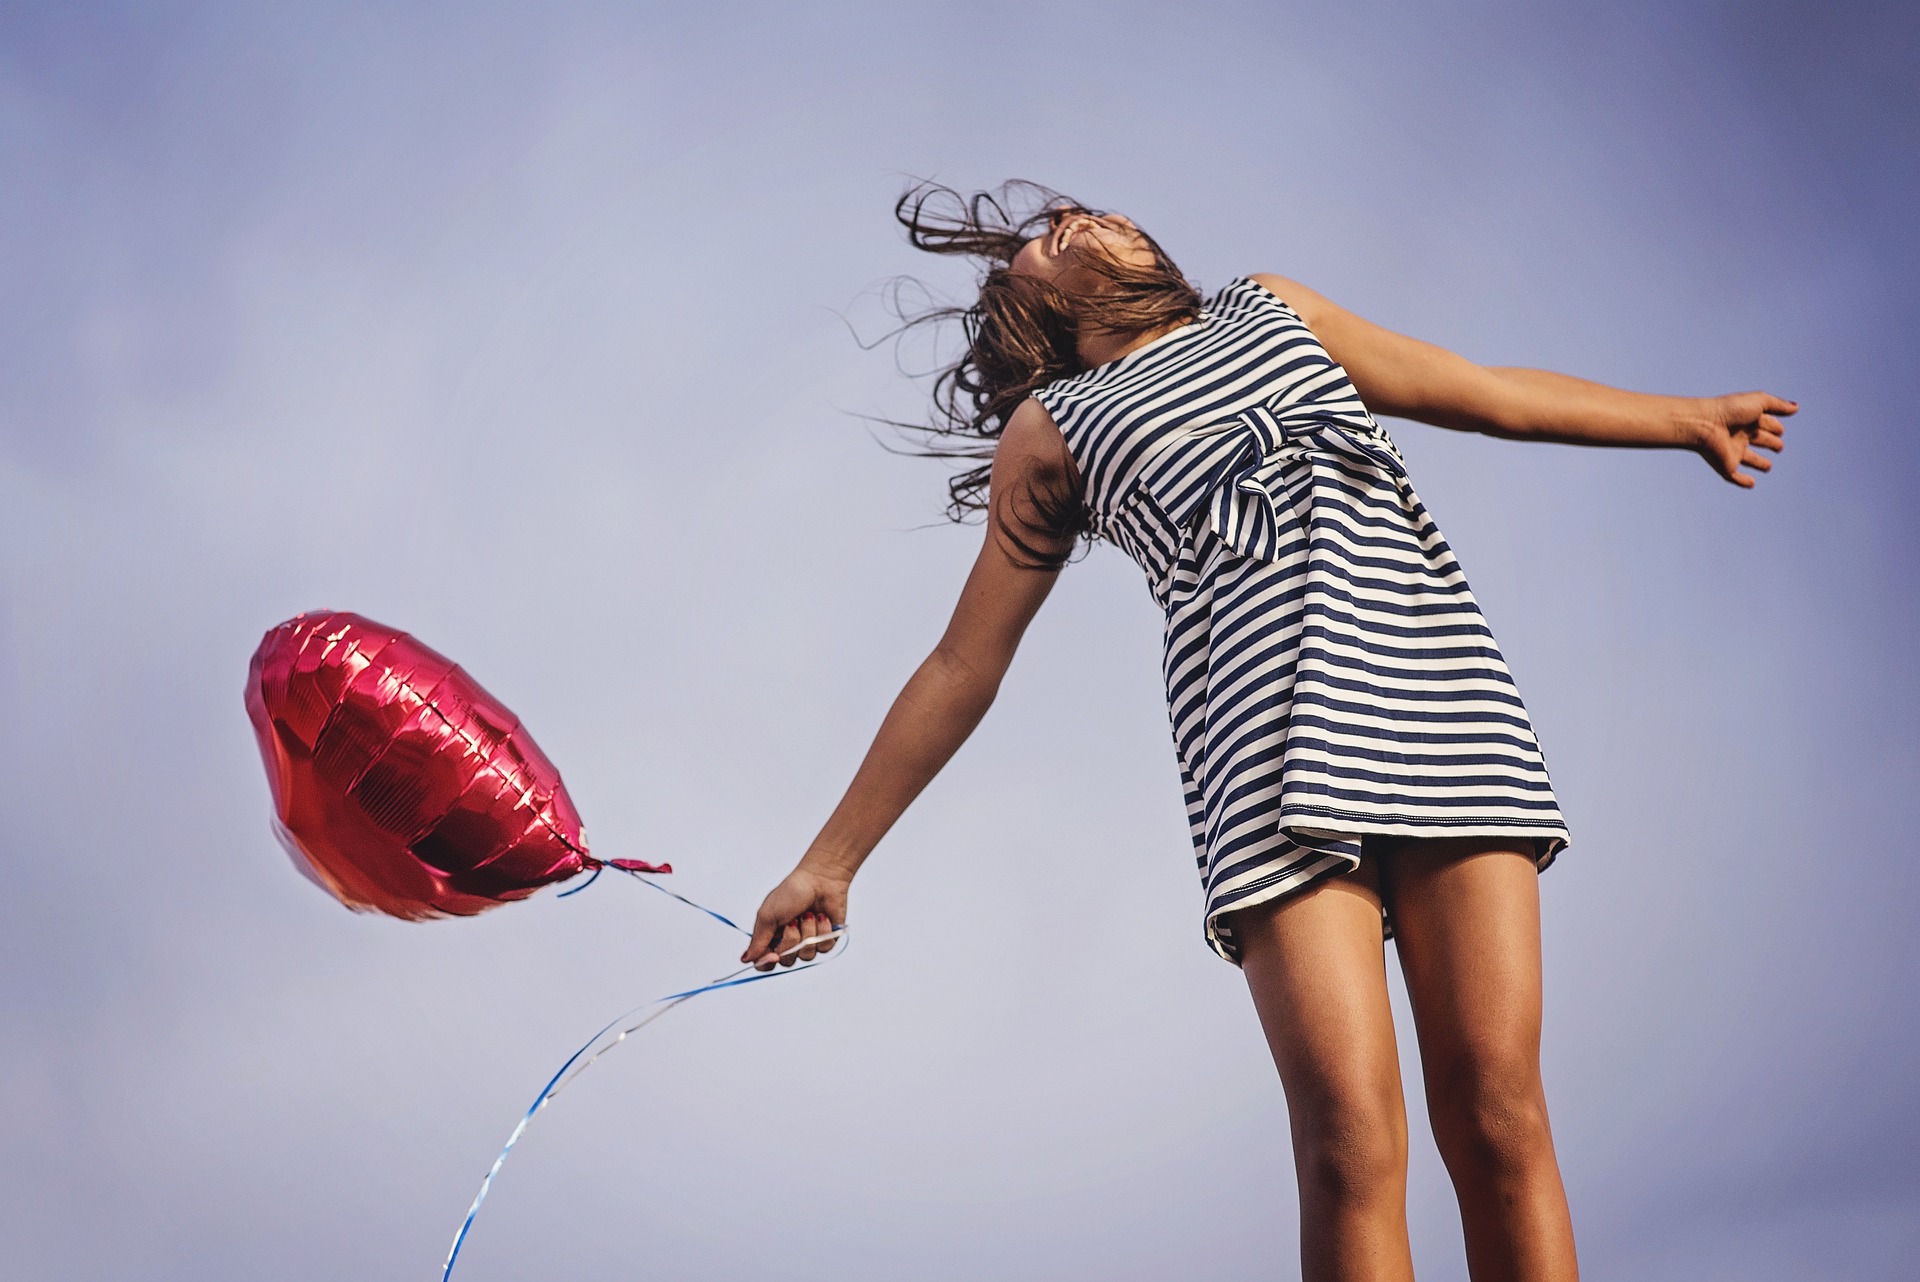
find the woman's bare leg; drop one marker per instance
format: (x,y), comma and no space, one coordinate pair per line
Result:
(1317,968)
(1466,919)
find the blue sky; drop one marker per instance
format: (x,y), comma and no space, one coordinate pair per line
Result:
(527,330)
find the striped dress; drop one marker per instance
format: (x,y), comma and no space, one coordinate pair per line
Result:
(1329,674)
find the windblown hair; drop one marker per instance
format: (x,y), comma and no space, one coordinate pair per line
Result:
(1021,335)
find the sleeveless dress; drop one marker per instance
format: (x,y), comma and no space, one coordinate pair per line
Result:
(1329,675)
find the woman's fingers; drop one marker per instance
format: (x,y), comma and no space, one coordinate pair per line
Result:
(765,939)
(763,932)
(1750,405)
(1725,456)
(799,940)
(1752,424)
(777,943)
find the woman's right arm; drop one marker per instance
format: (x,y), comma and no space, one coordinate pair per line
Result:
(1403,376)
(942,702)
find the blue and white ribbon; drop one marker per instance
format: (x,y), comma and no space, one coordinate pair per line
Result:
(627,1024)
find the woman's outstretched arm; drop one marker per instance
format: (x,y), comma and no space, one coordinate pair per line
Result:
(942,702)
(1407,378)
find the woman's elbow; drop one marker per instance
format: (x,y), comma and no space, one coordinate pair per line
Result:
(969,679)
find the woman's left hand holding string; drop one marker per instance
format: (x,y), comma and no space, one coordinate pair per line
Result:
(808,904)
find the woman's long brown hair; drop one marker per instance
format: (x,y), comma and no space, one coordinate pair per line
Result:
(1021,335)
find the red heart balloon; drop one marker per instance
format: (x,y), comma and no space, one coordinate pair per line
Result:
(398,783)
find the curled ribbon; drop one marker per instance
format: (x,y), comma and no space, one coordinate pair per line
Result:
(627,1024)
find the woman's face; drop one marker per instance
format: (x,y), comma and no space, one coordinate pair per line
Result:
(1057,254)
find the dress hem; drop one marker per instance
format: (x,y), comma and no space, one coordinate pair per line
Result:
(1287,882)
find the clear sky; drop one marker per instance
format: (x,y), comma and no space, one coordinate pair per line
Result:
(531,330)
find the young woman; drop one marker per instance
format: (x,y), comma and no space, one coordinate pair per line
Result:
(1356,760)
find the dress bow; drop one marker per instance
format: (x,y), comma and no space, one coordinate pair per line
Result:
(1234,475)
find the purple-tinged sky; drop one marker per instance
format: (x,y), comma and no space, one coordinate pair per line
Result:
(521,328)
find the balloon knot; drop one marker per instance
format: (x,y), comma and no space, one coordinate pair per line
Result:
(636,865)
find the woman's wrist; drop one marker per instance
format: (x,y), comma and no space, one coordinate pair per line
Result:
(832,863)
(1692,423)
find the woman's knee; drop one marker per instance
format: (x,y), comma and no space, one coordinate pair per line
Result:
(1351,1147)
(1489,1113)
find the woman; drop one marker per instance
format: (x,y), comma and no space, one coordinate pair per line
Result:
(1357,763)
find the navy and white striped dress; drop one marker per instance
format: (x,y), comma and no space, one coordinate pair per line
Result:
(1329,674)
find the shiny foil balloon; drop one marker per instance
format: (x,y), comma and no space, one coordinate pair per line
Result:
(398,783)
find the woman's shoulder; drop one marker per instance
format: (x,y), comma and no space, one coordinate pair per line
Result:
(1030,427)
(1258,299)
(1294,298)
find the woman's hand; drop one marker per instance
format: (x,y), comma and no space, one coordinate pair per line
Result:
(806,904)
(1730,428)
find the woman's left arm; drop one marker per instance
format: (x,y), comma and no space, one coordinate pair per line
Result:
(1407,378)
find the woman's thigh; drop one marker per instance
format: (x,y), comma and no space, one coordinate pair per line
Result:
(1466,920)
(1316,965)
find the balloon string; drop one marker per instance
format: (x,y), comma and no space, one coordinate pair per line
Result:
(583,885)
(646,880)
(570,1071)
